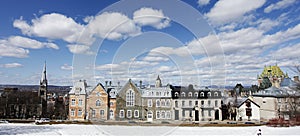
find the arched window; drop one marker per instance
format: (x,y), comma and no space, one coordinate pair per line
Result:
(183,94)
(168,104)
(168,116)
(130,98)
(98,103)
(190,94)
(163,115)
(202,94)
(157,115)
(157,103)
(176,94)
(163,103)
(209,94)
(196,94)
(176,104)
(216,94)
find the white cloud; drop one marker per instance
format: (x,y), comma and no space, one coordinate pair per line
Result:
(151,17)
(113,26)
(11,65)
(279,5)
(155,58)
(226,11)
(24,42)
(11,51)
(53,26)
(288,52)
(203,2)
(79,49)
(66,67)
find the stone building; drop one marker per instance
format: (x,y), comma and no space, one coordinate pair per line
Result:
(196,104)
(129,102)
(157,102)
(97,104)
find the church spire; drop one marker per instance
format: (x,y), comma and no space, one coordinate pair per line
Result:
(44,74)
(158,82)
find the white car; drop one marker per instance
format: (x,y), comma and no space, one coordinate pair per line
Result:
(42,120)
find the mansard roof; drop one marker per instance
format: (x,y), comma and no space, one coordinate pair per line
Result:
(79,88)
(272,71)
(272,92)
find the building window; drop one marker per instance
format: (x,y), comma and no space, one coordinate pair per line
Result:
(73,102)
(196,103)
(279,100)
(216,94)
(190,103)
(168,104)
(183,94)
(216,103)
(129,115)
(209,113)
(209,103)
(168,116)
(163,103)
(183,113)
(80,102)
(202,94)
(101,113)
(111,103)
(157,103)
(183,103)
(98,103)
(190,94)
(72,112)
(136,113)
(176,104)
(130,98)
(93,113)
(196,94)
(98,94)
(209,94)
(149,102)
(163,115)
(157,115)
(80,112)
(176,94)
(202,113)
(202,103)
(121,114)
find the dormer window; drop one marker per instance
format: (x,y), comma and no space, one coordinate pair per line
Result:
(209,94)
(216,94)
(176,94)
(202,94)
(196,94)
(190,94)
(183,94)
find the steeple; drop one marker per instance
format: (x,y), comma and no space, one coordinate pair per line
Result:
(158,82)
(43,84)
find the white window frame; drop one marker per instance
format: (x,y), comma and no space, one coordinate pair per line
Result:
(72,112)
(190,94)
(157,115)
(208,94)
(216,94)
(163,114)
(202,94)
(93,113)
(157,103)
(168,115)
(150,103)
(79,114)
(130,97)
(138,113)
(183,94)
(129,114)
(163,103)
(98,102)
(73,102)
(196,94)
(102,111)
(216,103)
(121,115)
(168,103)
(80,102)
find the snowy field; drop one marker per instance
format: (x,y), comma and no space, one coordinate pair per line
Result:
(73,129)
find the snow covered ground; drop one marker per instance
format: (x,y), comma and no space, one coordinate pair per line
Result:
(73,129)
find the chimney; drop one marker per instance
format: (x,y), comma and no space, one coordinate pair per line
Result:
(296,78)
(110,83)
(141,83)
(118,83)
(106,83)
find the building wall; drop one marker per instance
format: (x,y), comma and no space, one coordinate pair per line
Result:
(112,109)
(97,112)
(255,112)
(268,107)
(74,108)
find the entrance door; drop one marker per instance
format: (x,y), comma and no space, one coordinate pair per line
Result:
(149,116)
(176,115)
(216,114)
(196,115)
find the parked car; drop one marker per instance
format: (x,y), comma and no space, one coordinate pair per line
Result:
(42,120)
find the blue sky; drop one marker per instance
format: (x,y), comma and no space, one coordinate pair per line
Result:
(202,42)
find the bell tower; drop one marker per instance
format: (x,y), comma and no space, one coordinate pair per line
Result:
(158,82)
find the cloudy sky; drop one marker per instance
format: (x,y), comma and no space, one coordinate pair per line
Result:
(202,42)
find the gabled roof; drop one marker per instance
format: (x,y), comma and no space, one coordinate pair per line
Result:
(79,87)
(99,84)
(130,83)
(243,100)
